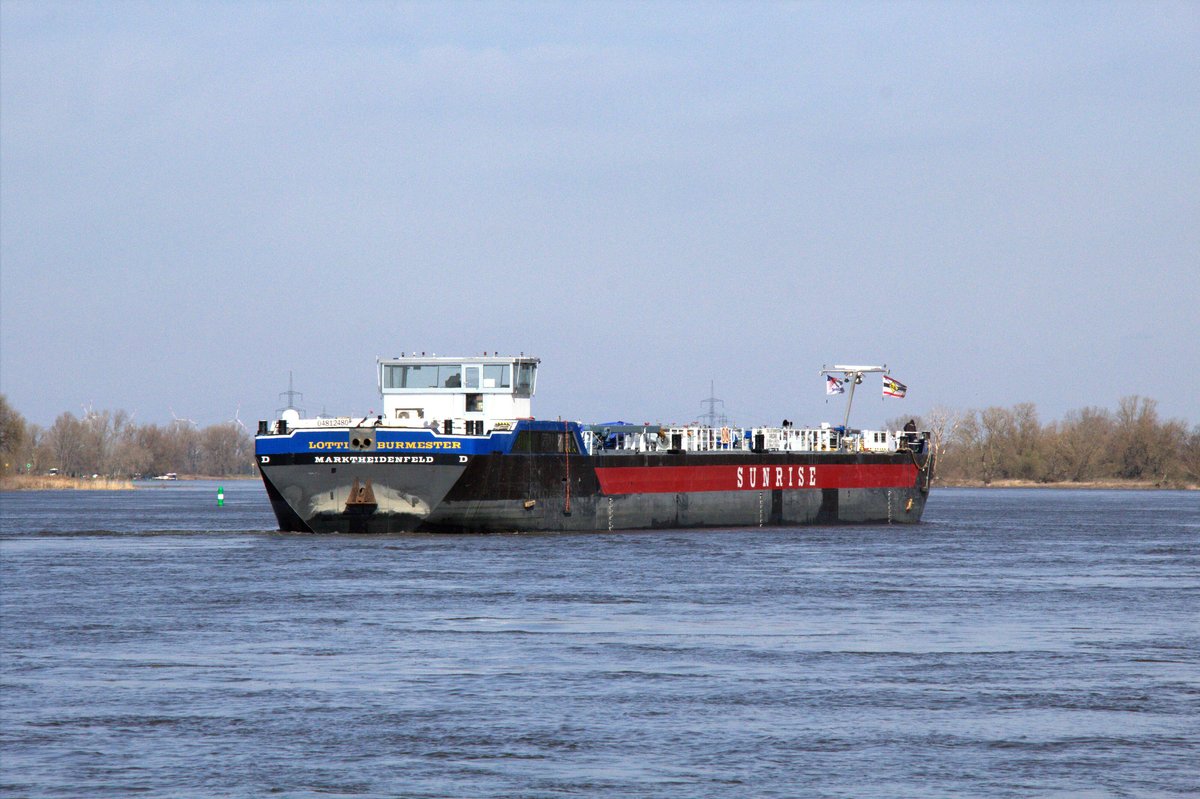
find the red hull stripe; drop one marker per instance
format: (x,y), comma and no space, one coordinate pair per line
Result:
(685,479)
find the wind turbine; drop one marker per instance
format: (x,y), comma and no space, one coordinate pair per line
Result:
(183,420)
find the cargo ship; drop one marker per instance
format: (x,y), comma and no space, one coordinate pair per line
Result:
(456,449)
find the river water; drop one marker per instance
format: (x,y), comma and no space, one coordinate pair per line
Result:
(1016,644)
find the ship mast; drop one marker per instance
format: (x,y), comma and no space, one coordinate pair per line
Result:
(853,376)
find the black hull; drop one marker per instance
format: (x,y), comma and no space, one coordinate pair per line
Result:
(541,493)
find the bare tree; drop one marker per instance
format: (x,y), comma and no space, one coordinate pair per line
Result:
(64,441)
(942,424)
(1085,442)
(1189,455)
(96,430)
(226,449)
(999,431)
(1143,448)
(12,437)
(187,445)
(1025,449)
(963,457)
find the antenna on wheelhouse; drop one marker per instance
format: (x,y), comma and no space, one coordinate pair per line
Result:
(291,395)
(852,375)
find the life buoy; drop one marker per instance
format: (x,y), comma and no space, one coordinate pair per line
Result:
(726,435)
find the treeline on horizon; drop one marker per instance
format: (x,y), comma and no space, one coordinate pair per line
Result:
(1092,444)
(111,444)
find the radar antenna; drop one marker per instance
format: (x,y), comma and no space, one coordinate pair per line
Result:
(853,376)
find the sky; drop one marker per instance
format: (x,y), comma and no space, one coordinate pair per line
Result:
(1000,201)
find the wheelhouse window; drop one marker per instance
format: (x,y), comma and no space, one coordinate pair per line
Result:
(497,375)
(432,375)
(526,375)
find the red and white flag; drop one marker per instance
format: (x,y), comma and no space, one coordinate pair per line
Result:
(833,385)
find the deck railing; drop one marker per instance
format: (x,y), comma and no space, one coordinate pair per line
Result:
(614,439)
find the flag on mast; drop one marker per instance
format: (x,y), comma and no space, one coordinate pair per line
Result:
(893,387)
(833,385)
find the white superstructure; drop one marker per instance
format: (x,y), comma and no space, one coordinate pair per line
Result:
(457,395)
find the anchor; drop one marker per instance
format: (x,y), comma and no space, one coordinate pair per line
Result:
(362,497)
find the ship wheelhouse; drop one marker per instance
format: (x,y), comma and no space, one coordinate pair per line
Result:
(457,395)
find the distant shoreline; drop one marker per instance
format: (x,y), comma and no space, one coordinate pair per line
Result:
(1083,485)
(52,482)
